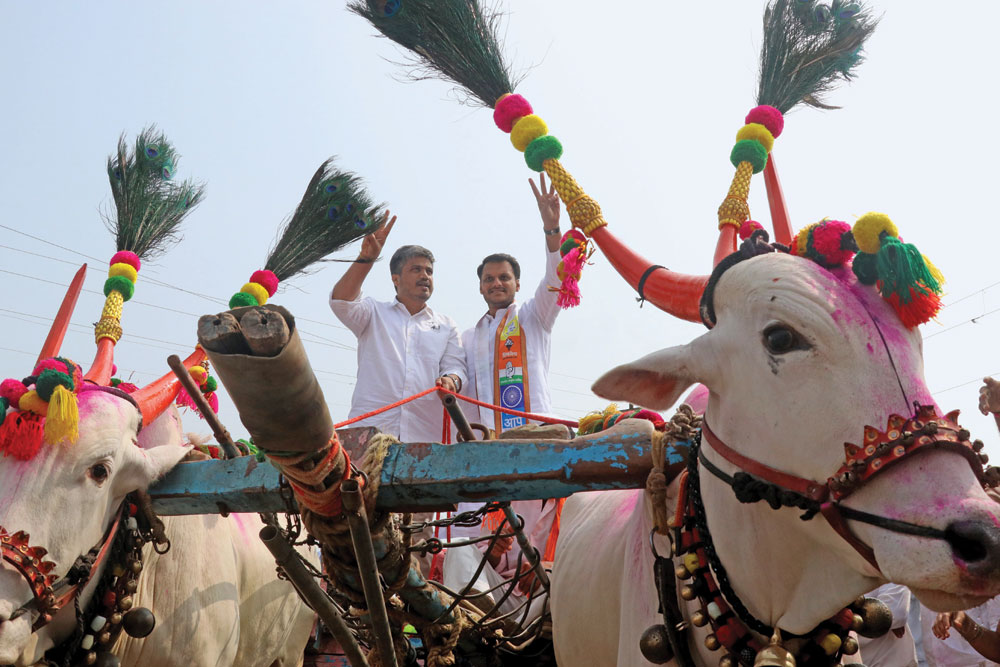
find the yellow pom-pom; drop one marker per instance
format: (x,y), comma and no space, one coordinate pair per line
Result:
(124,270)
(758,132)
(868,231)
(63,419)
(802,240)
(198,374)
(30,401)
(935,271)
(527,130)
(257,291)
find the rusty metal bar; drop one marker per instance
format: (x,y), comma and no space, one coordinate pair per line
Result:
(221,434)
(289,561)
(530,552)
(364,551)
(458,417)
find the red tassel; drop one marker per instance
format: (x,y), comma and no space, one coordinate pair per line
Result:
(922,307)
(21,435)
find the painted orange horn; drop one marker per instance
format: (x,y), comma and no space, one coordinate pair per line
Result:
(104,361)
(156,397)
(54,341)
(675,293)
(780,222)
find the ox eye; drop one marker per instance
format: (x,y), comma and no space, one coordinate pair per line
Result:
(781,339)
(98,472)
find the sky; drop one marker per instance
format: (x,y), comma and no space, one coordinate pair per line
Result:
(645,97)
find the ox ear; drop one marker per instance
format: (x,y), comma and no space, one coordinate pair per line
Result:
(161,446)
(655,381)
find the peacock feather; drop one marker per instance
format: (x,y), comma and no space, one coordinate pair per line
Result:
(808,48)
(453,40)
(149,205)
(335,210)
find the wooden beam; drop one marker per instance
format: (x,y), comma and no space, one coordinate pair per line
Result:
(429,475)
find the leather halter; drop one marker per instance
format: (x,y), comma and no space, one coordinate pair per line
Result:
(49,595)
(880,450)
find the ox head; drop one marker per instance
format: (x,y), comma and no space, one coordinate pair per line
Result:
(799,360)
(67,495)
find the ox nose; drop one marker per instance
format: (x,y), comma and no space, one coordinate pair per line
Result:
(978,544)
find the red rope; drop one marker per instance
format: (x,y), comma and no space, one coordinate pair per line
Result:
(514,413)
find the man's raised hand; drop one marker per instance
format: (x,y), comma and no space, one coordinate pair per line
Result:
(371,246)
(548,203)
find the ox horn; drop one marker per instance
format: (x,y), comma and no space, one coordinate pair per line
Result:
(60,324)
(157,396)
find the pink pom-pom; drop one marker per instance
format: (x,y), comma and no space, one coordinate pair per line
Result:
(509,109)
(114,369)
(574,233)
(769,117)
(12,390)
(127,387)
(749,227)
(827,238)
(213,401)
(266,279)
(573,262)
(50,365)
(126,257)
(569,293)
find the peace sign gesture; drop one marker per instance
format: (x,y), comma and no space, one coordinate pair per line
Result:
(371,246)
(548,203)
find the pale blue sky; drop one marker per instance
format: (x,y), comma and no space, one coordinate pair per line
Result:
(645,97)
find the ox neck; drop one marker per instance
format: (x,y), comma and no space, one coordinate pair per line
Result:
(776,563)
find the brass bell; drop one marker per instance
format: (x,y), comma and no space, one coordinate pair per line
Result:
(850,646)
(139,622)
(728,661)
(712,643)
(689,592)
(699,619)
(877,618)
(655,645)
(682,573)
(857,622)
(774,654)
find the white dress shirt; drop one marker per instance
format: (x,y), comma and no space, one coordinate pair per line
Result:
(536,316)
(400,355)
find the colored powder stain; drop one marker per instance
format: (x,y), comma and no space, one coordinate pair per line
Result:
(871,350)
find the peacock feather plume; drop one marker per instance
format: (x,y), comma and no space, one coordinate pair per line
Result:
(808,48)
(453,40)
(335,210)
(149,205)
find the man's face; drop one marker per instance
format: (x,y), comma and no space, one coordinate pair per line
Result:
(498,284)
(415,279)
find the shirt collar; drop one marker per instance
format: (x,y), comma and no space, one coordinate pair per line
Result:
(500,314)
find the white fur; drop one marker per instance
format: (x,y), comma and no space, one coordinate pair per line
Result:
(215,595)
(793,412)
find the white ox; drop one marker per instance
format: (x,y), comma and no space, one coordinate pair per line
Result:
(792,409)
(215,595)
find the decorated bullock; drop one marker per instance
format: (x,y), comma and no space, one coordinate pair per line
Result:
(782,517)
(89,575)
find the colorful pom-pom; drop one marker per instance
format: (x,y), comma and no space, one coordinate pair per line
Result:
(12,390)
(124,270)
(198,374)
(757,132)
(241,299)
(126,257)
(542,149)
(48,380)
(865,268)
(748,227)
(213,401)
(32,402)
(128,387)
(266,279)
(752,151)
(211,384)
(769,117)
(51,364)
(526,130)
(259,292)
(508,109)
(123,286)
(829,243)
(870,229)
(919,307)
(4,404)
(21,435)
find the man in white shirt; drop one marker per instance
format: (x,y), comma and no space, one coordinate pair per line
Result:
(507,358)
(404,347)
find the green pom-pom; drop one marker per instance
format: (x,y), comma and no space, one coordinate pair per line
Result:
(752,151)
(902,270)
(47,382)
(541,149)
(241,299)
(115,382)
(568,245)
(4,404)
(865,268)
(211,384)
(119,284)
